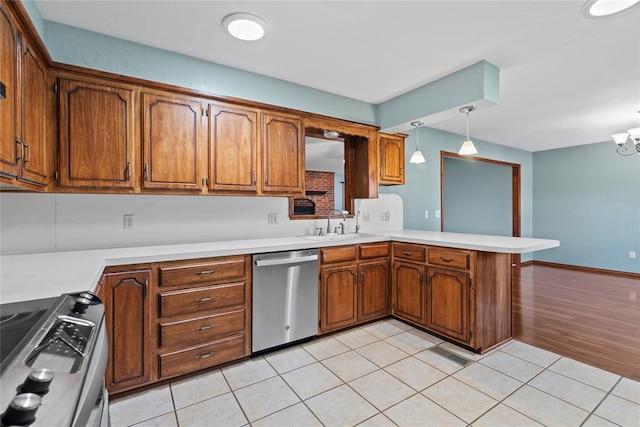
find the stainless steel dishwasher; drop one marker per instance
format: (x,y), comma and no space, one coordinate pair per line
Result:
(285,298)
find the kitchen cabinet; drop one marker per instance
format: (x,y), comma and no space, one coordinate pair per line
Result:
(173,143)
(97,146)
(23,114)
(354,285)
(460,294)
(203,313)
(282,154)
(233,146)
(391,159)
(125,295)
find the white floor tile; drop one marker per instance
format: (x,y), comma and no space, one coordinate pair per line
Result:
(196,389)
(503,416)
(381,389)
(377,421)
(409,343)
(569,390)
(596,421)
(248,372)
(619,411)
(426,336)
(487,380)
(266,397)
(166,420)
(512,366)
(458,398)
(530,353)
(341,407)
(443,364)
(382,329)
(415,373)
(297,415)
(545,408)
(349,366)
(355,338)
(221,411)
(582,372)
(289,359)
(311,380)
(382,353)
(399,324)
(420,411)
(324,348)
(141,406)
(628,389)
(469,355)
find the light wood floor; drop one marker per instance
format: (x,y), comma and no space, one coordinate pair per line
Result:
(590,317)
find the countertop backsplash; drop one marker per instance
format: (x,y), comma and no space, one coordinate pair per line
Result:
(62,222)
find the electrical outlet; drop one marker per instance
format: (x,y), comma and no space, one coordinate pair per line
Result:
(381,216)
(387,216)
(128,221)
(272,218)
(437,213)
(426,214)
(366,217)
(632,254)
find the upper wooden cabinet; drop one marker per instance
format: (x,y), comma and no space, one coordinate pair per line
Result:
(96,131)
(23,114)
(282,154)
(392,159)
(174,146)
(233,145)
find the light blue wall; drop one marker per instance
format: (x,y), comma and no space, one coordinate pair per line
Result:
(35,16)
(75,46)
(477,197)
(588,197)
(422,189)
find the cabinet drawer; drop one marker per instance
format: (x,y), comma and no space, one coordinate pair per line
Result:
(206,298)
(376,250)
(449,258)
(186,333)
(409,251)
(201,357)
(176,274)
(339,254)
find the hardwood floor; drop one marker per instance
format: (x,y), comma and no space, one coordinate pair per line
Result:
(590,317)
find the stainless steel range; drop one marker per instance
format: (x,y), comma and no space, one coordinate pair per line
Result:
(54,356)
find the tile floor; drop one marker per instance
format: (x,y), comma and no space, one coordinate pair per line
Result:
(384,374)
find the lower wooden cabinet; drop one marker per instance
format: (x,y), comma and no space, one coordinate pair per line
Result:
(409,300)
(354,285)
(448,293)
(126,298)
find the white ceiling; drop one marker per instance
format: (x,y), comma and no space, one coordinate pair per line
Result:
(565,80)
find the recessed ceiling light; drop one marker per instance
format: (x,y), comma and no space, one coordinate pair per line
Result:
(244,26)
(601,8)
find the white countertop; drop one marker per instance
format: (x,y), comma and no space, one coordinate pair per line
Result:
(42,275)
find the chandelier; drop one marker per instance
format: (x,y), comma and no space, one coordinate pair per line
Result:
(627,141)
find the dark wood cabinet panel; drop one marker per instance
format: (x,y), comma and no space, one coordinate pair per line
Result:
(409,299)
(282,154)
(174,148)
(125,295)
(391,159)
(233,144)
(338,299)
(96,147)
(10,148)
(373,291)
(448,302)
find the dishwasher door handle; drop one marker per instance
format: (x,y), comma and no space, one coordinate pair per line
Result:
(284,261)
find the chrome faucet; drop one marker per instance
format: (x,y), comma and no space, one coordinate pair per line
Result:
(344,217)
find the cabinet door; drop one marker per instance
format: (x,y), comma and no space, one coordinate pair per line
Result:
(391,160)
(233,144)
(448,302)
(373,290)
(282,154)
(338,298)
(173,145)
(34,114)
(409,291)
(10,149)
(96,135)
(127,316)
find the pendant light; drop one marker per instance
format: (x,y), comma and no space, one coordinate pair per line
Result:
(467,146)
(417,156)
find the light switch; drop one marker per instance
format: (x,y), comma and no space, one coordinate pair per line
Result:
(426,214)
(438,213)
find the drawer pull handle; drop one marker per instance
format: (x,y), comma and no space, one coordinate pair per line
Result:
(407,253)
(204,328)
(206,299)
(446,259)
(204,356)
(205,272)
